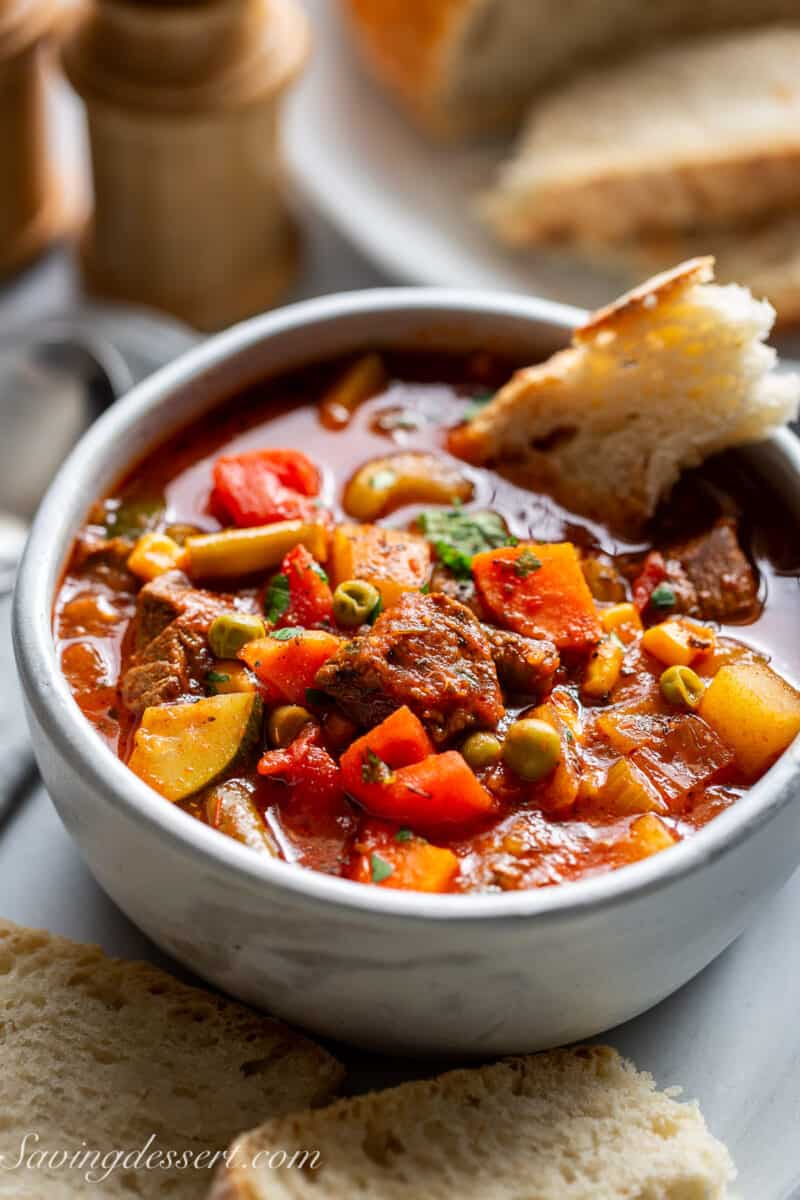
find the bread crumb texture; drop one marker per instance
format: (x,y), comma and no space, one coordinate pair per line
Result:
(579,1124)
(671,373)
(100,1054)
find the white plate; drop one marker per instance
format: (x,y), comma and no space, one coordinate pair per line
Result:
(405,202)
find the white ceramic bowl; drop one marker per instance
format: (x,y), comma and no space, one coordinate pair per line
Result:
(385,969)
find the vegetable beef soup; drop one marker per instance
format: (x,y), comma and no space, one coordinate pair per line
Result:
(308,625)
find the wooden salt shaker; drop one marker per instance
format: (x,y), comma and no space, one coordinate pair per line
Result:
(182,102)
(31,213)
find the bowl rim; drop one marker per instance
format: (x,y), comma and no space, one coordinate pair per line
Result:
(58,715)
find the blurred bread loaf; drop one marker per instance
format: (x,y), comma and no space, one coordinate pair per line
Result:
(671,373)
(577,1124)
(103,1054)
(700,136)
(466,66)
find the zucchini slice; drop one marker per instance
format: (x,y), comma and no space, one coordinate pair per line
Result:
(181,748)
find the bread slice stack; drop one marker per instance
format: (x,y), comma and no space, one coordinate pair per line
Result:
(568,1125)
(690,149)
(103,1057)
(671,373)
(466,66)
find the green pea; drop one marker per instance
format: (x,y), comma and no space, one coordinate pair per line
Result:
(284,724)
(532,749)
(354,602)
(481,750)
(682,686)
(231,631)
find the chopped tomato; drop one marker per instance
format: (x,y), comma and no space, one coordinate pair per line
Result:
(393,857)
(303,587)
(652,574)
(539,590)
(262,486)
(304,763)
(286,665)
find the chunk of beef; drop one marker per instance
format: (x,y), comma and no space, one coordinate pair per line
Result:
(462,590)
(169,596)
(172,666)
(525,665)
(723,580)
(169,641)
(104,560)
(428,652)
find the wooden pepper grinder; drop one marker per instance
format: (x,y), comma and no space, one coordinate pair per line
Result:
(31,213)
(182,102)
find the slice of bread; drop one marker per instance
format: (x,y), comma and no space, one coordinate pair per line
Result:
(100,1055)
(700,135)
(578,1124)
(671,373)
(466,66)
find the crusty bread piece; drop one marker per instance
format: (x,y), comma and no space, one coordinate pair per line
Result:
(466,66)
(671,373)
(577,1124)
(99,1054)
(699,135)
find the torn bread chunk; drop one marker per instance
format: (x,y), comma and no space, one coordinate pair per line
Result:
(702,134)
(579,1124)
(671,373)
(118,1058)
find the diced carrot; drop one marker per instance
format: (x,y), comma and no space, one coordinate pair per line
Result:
(539,590)
(392,560)
(309,599)
(262,486)
(438,790)
(287,665)
(398,741)
(392,857)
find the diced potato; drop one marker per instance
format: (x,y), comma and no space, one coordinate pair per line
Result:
(229,676)
(603,669)
(627,790)
(754,711)
(622,620)
(560,791)
(678,642)
(391,560)
(414,478)
(154,554)
(647,835)
(235,552)
(364,378)
(181,748)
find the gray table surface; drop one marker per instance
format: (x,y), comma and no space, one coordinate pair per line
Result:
(729,1038)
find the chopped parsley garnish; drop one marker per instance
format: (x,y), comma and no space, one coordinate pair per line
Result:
(403,835)
(319,572)
(381,869)
(663,596)
(277,598)
(458,536)
(526,564)
(212,679)
(374,769)
(285,635)
(382,480)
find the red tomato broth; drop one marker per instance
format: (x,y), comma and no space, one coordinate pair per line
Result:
(519,844)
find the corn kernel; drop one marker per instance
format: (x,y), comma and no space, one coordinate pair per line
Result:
(154,554)
(678,642)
